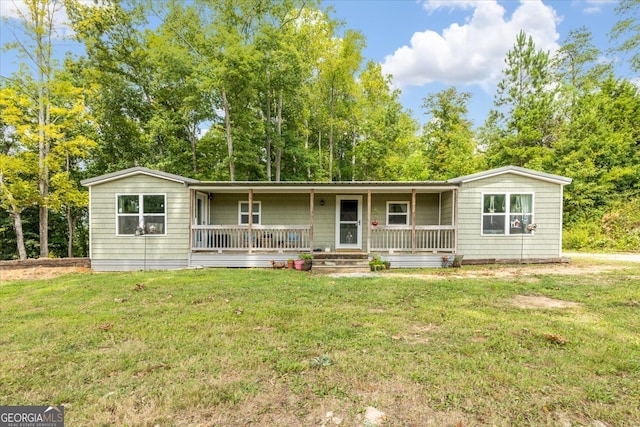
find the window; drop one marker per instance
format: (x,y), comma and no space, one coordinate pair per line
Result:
(144,213)
(507,213)
(397,213)
(243,215)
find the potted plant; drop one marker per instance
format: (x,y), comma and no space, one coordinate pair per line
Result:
(376,263)
(290,263)
(306,262)
(374,222)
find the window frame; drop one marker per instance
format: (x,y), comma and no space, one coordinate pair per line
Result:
(140,215)
(258,214)
(395,214)
(507,214)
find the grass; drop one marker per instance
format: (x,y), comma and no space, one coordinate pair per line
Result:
(262,347)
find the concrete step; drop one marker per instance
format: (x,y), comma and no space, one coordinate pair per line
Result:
(324,269)
(340,262)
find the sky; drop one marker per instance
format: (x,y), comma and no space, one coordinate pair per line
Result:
(430,45)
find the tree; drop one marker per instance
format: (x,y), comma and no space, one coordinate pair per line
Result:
(524,108)
(18,171)
(627,30)
(37,21)
(448,136)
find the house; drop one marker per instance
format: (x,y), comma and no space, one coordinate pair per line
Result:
(147,219)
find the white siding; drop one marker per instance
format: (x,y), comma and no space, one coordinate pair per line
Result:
(112,252)
(545,243)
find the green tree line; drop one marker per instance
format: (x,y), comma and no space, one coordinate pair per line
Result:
(279,90)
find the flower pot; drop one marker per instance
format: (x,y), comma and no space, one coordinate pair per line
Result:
(374,223)
(299,263)
(291,264)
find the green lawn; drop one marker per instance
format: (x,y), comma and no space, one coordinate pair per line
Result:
(283,348)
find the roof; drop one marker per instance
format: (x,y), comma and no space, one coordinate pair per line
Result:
(325,186)
(543,176)
(138,170)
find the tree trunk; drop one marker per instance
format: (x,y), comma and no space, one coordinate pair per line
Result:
(17,223)
(194,141)
(353,155)
(227,123)
(268,128)
(331,134)
(71,225)
(279,133)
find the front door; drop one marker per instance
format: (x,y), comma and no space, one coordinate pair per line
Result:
(349,222)
(201,210)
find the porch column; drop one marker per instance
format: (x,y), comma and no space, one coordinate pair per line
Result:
(369,228)
(413,220)
(439,244)
(312,197)
(250,232)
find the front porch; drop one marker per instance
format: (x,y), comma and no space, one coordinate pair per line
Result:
(251,224)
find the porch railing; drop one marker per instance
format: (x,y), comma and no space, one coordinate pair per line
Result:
(277,238)
(428,238)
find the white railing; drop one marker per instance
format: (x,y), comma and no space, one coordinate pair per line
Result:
(278,238)
(431,238)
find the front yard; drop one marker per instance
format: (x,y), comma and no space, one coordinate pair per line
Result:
(469,346)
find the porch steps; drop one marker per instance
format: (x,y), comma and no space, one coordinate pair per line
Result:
(340,262)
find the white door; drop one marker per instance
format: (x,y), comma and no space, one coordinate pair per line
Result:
(201,209)
(349,222)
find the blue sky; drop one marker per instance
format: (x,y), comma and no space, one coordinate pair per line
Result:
(429,45)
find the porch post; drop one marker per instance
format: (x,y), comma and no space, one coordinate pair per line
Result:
(440,220)
(250,232)
(413,220)
(312,197)
(369,228)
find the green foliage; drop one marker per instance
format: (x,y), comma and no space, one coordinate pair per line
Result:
(627,30)
(448,138)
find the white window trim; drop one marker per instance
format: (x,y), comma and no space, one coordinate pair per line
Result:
(507,213)
(140,214)
(259,213)
(402,202)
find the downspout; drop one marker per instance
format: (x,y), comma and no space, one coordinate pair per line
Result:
(561,220)
(413,220)
(191,222)
(91,226)
(250,221)
(454,221)
(312,196)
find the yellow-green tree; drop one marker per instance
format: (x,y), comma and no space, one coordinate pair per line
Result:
(43,112)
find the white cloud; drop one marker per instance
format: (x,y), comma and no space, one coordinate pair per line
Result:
(17,10)
(471,52)
(595,6)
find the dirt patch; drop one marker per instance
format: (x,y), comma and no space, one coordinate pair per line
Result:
(39,273)
(520,271)
(536,301)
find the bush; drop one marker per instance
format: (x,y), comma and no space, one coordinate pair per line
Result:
(618,229)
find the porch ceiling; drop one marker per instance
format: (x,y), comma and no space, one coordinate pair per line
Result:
(323,187)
